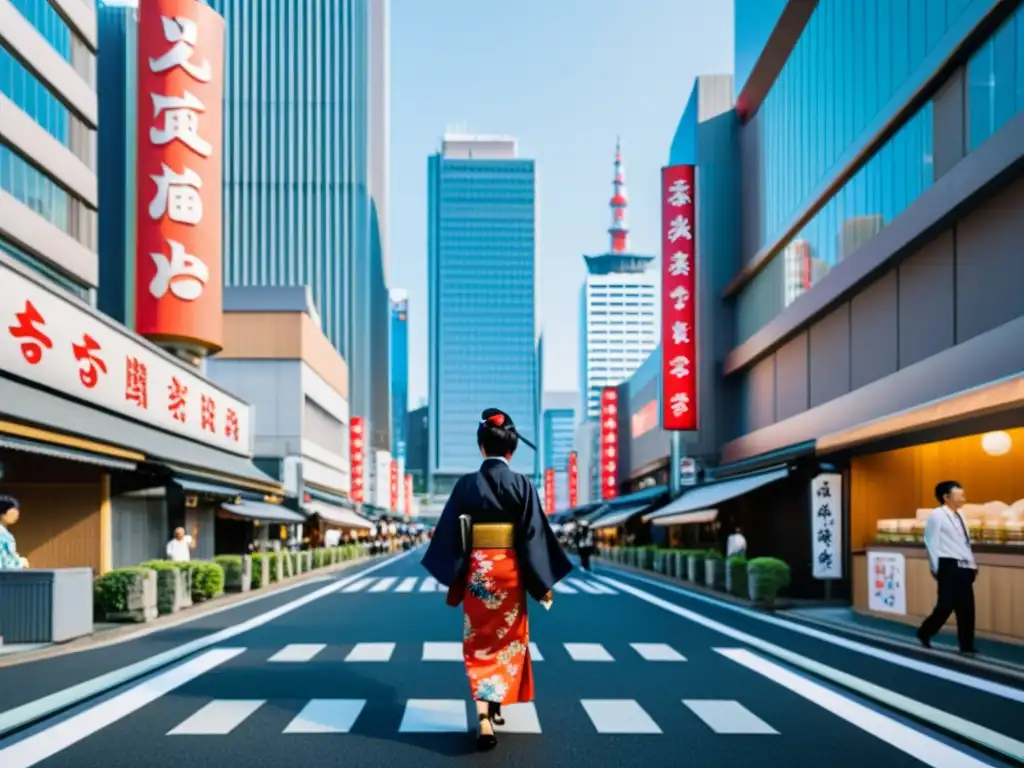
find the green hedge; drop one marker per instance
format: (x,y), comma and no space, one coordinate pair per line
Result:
(769,575)
(207,576)
(110,590)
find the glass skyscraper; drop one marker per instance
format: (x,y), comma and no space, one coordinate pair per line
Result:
(399,371)
(482,334)
(559,427)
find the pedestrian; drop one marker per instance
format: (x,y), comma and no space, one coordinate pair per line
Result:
(492,547)
(736,544)
(179,548)
(9,515)
(585,543)
(952,563)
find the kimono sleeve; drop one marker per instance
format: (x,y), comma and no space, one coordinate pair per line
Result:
(545,562)
(444,552)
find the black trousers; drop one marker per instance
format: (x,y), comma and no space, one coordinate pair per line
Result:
(956,595)
(585,553)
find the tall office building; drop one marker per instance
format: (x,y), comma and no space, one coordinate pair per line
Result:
(481,225)
(399,371)
(618,303)
(48,118)
(559,427)
(305,168)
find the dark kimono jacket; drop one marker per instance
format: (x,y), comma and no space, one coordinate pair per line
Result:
(496,494)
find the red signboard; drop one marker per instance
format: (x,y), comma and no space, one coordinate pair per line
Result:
(357,457)
(678,300)
(408,494)
(573,481)
(609,443)
(549,490)
(393,498)
(178,216)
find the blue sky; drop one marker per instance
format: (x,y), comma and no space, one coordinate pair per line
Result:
(564,77)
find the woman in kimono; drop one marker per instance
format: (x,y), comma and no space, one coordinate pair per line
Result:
(510,552)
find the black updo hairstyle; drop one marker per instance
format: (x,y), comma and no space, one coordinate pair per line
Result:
(496,434)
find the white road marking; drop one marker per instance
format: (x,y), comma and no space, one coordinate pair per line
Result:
(906,739)
(602,588)
(588,652)
(434,716)
(442,652)
(371,652)
(619,716)
(218,718)
(383,585)
(429,585)
(957,725)
(730,717)
(583,586)
(327,716)
(298,652)
(657,652)
(519,718)
(535,654)
(43,744)
(564,588)
(407,585)
(360,585)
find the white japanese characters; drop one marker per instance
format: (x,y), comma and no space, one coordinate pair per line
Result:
(181,273)
(680,296)
(679,348)
(180,122)
(680,228)
(679,193)
(679,266)
(177,196)
(680,333)
(680,366)
(679,403)
(609,443)
(183,34)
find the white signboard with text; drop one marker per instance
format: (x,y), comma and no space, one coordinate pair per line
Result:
(827,526)
(887,584)
(53,342)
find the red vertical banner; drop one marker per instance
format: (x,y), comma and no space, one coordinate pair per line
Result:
(609,443)
(178,286)
(408,495)
(573,481)
(678,299)
(357,457)
(549,490)
(393,498)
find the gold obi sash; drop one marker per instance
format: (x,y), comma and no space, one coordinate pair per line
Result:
(492,536)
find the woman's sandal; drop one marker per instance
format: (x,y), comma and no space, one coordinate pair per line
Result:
(485,741)
(494,712)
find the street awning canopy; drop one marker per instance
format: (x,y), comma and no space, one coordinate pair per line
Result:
(259,510)
(211,489)
(343,518)
(710,496)
(617,517)
(689,518)
(67,454)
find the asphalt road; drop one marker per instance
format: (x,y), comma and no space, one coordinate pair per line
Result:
(627,673)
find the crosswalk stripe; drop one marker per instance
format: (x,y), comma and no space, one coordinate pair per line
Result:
(583,586)
(383,585)
(327,716)
(434,716)
(565,589)
(371,652)
(519,718)
(429,585)
(218,718)
(619,716)
(588,652)
(298,652)
(657,652)
(535,654)
(603,589)
(360,585)
(442,652)
(407,585)
(730,717)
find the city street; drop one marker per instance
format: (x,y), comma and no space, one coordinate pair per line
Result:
(628,672)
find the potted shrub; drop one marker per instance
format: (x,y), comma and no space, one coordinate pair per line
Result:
(170,586)
(238,572)
(694,564)
(765,577)
(714,572)
(127,594)
(736,576)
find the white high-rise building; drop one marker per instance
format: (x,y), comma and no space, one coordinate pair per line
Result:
(619,325)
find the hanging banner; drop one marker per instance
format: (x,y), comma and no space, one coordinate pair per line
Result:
(549,490)
(609,443)
(827,526)
(408,495)
(178,288)
(393,489)
(678,300)
(573,480)
(887,584)
(357,458)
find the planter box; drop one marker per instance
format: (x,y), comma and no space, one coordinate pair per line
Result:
(46,605)
(170,585)
(736,580)
(279,566)
(265,569)
(141,600)
(714,572)
(694,568)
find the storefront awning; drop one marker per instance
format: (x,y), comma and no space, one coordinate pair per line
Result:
(617,517)
(709,496)
(259,510)
(210,489)
(343,518)
(68,454)
(689,518)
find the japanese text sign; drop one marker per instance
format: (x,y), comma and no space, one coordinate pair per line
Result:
(393,489)
(357,457)
(827,526)
(49,340)
(609,452)
(887,584)
(549,490)
(678,300)
(408,494)
(573,480)
(178,290)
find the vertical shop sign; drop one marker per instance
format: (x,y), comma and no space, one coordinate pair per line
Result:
(827,526)
(887,584)
(393,488)
(178,289)
(573,480)
(408,495)
(357,457)
(549,490)
(678,300)
(609,443)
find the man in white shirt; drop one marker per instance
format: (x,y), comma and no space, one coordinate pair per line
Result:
(736,544)
(179,549)
(952,563)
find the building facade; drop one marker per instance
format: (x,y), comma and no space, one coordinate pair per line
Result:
(481,281)
(558,427)
(417,457)
(399,371)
